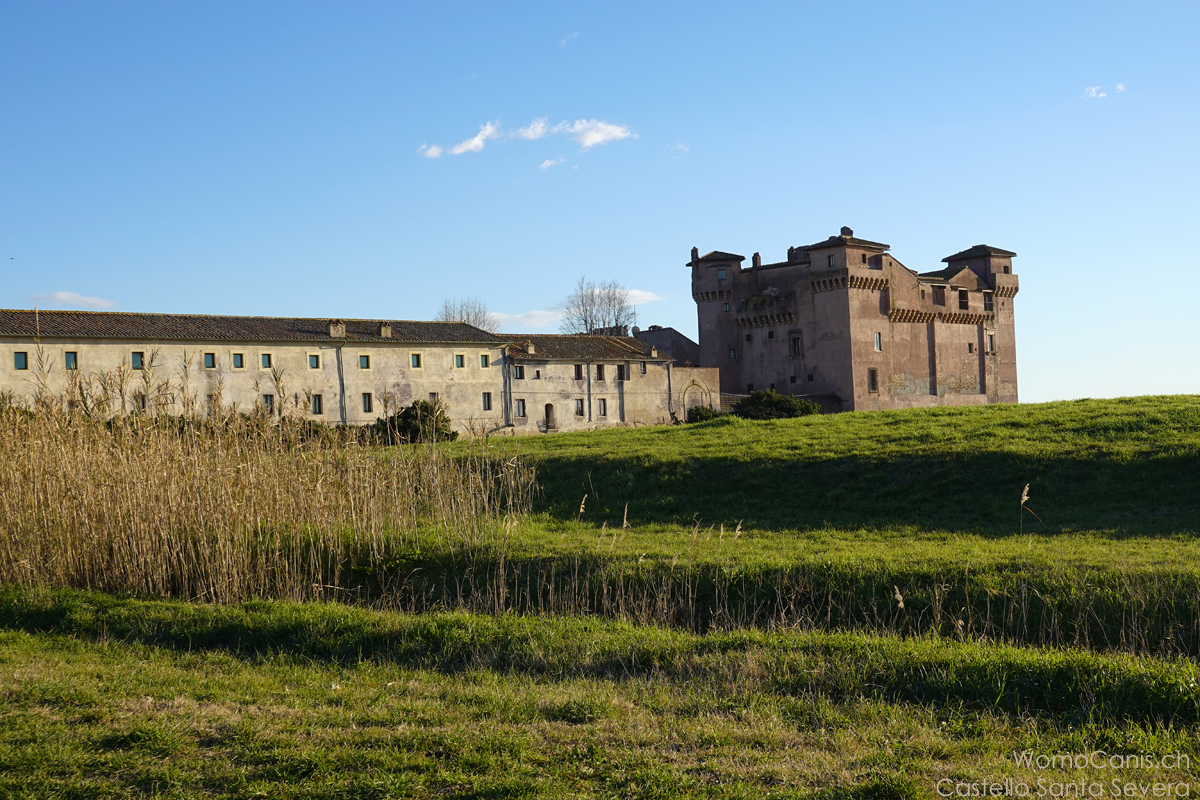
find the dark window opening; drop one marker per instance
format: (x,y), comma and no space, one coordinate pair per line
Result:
(642,367)
(519,373)
(749,337)
(621,372)
(732,353)
(793,380)
(487,401)
(964,300)
(314,362)
(368,403)
(770,334)
(988,302)
(21,360)
(970,347)
(749,387)
(210,360)
(364,362)
(599,372)
(603,407)
(831,261)
(939,295)
(579,372)
(316,404)
(872,380)
(520,408)
(239,361)
(810,377)
(864,258)
(579,408)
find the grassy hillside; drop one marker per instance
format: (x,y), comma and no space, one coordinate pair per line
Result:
(1125,466)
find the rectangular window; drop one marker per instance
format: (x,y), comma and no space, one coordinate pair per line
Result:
(210,360)
(364,362)
(793,379)
(720,274)
(519,372)
(749,388)
(922,294)
(749,337)
(732,352)
(239,361)
(599,372)
(416,361)
(939,295)
(433,397)
(579,408)
(970,347)
(135,360)
(796,344)
(770,334)
(579,372)
(872,380)
(520,407)
(316,405)
(878,342)
(991,342)
(603,407)
(268,403)
(964,300)
(460,362)
(642,367)
(810,377)
(314,361)
(831,261)
(483,361)
(266,360)
(368,403)
(864,258)
(988,302)
(725,306)
(71,360)
(139,402)
(487,401)
(21,360)
(620,372)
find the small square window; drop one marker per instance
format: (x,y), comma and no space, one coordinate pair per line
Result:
(725,306)
(872,380)
(770,334)
(487,401)
(793,379)
(810,377)
(520,407)
(239,361)
(1006,268)
(642,367)
(136,359)
(268,403)
(314,361)
(603,407)
(579,372)
(599,372)
(317,405)
(416,361)
(749,337)
(732,352)
(579,408)
(459,362)
(749,388)
(878,342)
(433,397)
(720,274)
(368,403)
(210,360)
(364,362)
(71,360)
(519,372)
(265,360)
(21,360)
(484,362)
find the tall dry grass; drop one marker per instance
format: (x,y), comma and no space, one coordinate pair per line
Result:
(233,508)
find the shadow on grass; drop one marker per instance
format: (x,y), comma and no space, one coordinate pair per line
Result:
(968,492)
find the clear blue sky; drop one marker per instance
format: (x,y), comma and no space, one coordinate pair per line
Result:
(274,158)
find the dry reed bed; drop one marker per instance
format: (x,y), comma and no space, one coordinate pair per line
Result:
(231,509)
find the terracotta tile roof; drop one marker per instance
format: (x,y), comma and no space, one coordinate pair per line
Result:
(579,347)
(945,275)
(207,327)
(980,250)
(846,241)
(718,255)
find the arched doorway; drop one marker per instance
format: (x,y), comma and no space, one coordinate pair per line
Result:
(550,424)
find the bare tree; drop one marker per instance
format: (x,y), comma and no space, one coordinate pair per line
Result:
(470,310)
(598,307)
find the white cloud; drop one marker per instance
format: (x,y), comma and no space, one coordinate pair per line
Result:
(535,130)
(591,132)
(1120,87)
(563,42)
(430,150)
(537,319)
(1093,92)
(547,164)
(473,145)
(681,147)
(639,296)
(71,299)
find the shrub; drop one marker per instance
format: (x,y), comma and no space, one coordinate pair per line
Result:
(702,414)
(423,421)
(770,404)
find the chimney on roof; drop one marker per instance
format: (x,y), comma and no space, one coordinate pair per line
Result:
(756,260)
(654,352)
(695,254)
(846,231)
(385,330)
(337,329)
(529,348)
(791,254)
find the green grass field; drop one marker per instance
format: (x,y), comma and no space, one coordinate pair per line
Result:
(848,606)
